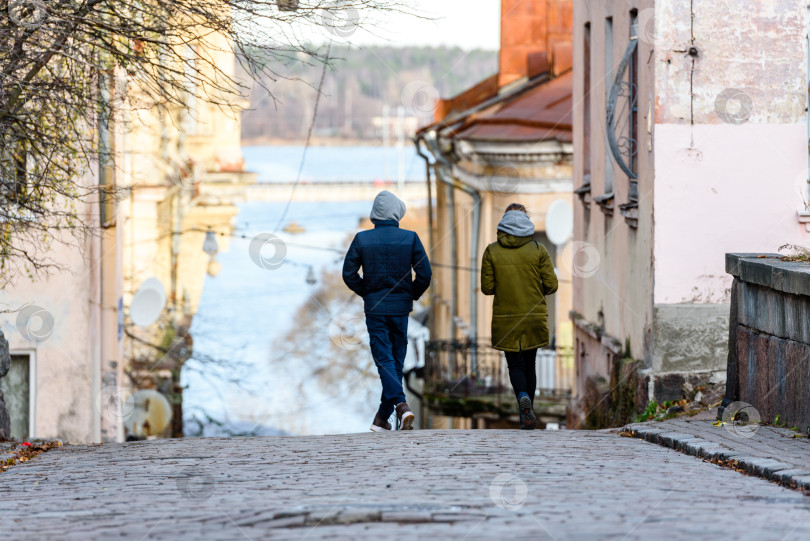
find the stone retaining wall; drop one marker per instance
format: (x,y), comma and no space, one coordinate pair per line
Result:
(769,337)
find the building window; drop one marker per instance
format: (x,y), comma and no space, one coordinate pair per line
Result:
(622,120)
(584,191)
(608,186)
(17,390)
(605,201)
(191,69)
(13,172)
(633,97)
(630,208)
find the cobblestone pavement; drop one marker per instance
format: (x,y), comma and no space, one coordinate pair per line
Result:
(777,454)
(479,484)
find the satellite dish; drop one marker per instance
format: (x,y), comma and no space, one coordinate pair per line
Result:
(559,222)
(147,413)
(147,303)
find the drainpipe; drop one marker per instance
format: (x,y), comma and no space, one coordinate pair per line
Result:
(106,376)
(443,168)
(416,142)
(453,239)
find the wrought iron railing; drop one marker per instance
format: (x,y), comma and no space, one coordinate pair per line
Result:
(464,369)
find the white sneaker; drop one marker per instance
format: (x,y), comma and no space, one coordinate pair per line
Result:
(380,425)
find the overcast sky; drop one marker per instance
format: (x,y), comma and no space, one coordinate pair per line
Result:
(466,23)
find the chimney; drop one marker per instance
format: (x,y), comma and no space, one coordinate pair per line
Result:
(528,28)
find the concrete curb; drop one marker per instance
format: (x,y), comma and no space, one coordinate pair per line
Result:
(772,470)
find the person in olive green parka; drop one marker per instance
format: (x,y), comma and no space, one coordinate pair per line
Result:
(519,272)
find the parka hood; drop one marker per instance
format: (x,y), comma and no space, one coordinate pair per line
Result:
(510,241)
(387,206)
(516,223)
(515,229)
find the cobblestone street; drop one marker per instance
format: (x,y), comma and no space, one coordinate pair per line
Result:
(442,484)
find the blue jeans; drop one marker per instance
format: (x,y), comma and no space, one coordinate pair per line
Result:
(388,338)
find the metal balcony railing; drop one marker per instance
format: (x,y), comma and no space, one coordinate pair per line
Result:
(462,369)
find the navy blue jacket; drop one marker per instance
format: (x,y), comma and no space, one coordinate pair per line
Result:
(387,254)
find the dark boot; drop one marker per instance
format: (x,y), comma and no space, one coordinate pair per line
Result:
(380,425)
(527,419)
(405,417)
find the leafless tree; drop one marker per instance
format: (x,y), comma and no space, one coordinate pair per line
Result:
(64,64)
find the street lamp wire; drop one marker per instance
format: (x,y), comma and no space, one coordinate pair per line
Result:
(309,138)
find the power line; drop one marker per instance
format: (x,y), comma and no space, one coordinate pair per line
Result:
(309,138)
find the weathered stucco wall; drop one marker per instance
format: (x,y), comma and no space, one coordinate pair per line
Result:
(730,152)
(722,166)
(66,354)
(756,47)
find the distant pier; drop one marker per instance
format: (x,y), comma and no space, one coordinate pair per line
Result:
(310,191)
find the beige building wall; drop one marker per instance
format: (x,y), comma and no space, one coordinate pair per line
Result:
(77,369)
(63,338)
(612,293)
(185,173)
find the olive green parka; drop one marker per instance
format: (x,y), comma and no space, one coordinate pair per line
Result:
(519,272)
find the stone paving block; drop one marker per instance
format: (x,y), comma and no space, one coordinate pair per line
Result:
(764,451)
(802,481)
(765,467)
(405,516)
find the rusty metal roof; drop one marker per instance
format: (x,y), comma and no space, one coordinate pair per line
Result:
(541,113)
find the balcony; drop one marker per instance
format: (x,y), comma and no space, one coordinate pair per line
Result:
(470,381)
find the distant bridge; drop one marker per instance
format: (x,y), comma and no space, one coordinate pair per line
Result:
(311,191)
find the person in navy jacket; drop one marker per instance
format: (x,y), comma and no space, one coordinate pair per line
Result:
(396,272)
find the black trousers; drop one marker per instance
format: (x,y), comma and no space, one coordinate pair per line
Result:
(523,371)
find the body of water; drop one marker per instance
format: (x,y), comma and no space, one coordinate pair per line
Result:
(365,163)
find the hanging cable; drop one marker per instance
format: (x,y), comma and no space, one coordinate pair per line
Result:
(309,138)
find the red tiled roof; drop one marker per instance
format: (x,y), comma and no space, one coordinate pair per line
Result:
(541,113)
